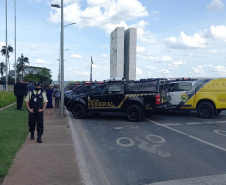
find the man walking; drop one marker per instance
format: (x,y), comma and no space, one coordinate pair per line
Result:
(20,92)
(36,102)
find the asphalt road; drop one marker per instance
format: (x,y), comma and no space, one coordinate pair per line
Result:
(170,148)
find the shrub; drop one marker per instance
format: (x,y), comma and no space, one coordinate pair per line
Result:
(6,98)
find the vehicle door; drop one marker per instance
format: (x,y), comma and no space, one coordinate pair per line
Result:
(97,97)
(115,96)
(180,92)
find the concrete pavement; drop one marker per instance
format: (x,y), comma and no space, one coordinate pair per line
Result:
(52,162)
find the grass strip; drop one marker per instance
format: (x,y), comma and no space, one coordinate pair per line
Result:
(6,98)
(13,132)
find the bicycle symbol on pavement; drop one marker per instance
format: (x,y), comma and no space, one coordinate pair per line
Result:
(154,148)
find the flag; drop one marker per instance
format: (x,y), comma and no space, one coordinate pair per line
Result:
(91,69)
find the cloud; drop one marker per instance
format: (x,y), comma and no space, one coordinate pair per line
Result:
(106,46)
(75,56)
(164,71)
(216,32)
(139,71)
(151,67)
(186,42)
(104,55)
(212,51)
(140,49)
(208,70)
(40,61)
(215,5)
(155,15)
(1,44)
(104,14)
(158,59)
(176,64)
(33,47)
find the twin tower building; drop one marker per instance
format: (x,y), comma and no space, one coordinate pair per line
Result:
(123,53)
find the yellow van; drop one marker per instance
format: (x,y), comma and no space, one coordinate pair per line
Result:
(207,96)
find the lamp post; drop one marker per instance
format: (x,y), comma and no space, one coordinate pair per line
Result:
(62,54)
(15,37)
(6,48)
(59,67)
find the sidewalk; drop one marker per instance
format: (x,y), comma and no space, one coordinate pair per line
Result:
(52,162)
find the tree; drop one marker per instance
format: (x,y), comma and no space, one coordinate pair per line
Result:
(9,50)
(2,68)
(40,74)
(21,63)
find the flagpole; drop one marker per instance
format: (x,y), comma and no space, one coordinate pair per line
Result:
(91,70)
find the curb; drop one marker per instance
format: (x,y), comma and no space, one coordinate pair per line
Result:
(7,106)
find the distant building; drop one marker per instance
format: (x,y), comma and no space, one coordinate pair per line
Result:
(123,53)
(130,47)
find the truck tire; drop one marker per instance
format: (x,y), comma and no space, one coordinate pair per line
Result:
(79,111)
(205,110)
(133,113)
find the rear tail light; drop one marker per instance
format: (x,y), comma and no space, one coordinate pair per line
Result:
(157,99)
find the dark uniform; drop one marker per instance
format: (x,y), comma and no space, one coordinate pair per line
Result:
(19,92)
(36,102)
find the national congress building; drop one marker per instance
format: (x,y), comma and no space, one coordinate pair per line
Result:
(123,53)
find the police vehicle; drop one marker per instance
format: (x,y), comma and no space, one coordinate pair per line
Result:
(207,96)
(79,90)
(135,98)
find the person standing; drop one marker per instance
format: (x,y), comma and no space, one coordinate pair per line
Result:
(20,92)
(49,94)
(57,95)
(30,87)
(36,102)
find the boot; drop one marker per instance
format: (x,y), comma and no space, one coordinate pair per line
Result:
(32,136)
(39,140)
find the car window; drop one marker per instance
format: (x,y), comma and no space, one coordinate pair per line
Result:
(182,86)
(114,89)
(99,91)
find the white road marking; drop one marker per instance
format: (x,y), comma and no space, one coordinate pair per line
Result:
(131,142)
(190,136)
(205,180)
(207,122)
(219,132)
(125,127)
(173,124)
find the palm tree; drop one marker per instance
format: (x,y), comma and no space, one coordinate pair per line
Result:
(21,63)
(9,50)
(2,68)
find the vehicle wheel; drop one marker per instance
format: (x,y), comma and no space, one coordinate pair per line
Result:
(133,113)
(148,113)
(218,111)
(78,111)
(205,110)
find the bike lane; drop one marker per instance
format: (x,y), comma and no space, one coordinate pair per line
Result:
(146,152)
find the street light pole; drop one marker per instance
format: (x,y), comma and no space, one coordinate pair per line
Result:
(15,38)
(62,58)
(6,48)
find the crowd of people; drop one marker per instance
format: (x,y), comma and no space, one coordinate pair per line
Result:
(38,98)
(21,89)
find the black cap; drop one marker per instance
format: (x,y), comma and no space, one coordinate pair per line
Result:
(37,83)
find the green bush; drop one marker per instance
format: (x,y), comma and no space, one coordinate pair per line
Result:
(6,98)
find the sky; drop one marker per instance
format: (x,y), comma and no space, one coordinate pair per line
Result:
(175,38)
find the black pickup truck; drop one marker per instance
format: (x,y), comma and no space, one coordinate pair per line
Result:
(135,98)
